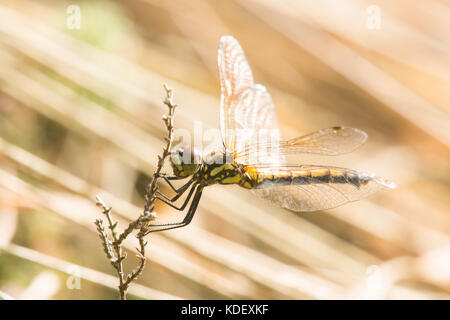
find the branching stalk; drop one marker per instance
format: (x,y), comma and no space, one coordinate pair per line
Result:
(111,241)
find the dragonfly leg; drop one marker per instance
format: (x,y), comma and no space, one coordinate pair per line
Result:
(167,179)
(187,218)
(168,201)
(179,192)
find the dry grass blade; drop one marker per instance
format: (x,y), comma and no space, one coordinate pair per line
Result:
(88,102)
(87,274)
(369,77)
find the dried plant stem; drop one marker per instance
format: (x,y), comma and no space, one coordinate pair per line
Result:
(109,246)
(168,120)
(112,243)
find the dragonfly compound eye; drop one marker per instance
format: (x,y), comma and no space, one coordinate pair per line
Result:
(185,162)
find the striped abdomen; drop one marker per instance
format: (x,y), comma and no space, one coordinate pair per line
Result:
(264,178)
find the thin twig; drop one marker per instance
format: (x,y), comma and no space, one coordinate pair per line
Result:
(141,255)
(113,249)
(152,188)
(106,242)
(116,262)
(168,120)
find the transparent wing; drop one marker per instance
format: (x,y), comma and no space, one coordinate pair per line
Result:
(256,123)
(331,141)
(247,113)
(318,195)
(235,77)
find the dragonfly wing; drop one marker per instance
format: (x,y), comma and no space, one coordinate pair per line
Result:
(320,188)
(256,124)
(330,141)
(246,108)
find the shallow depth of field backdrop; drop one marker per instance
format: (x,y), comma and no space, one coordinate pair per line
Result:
(80,114)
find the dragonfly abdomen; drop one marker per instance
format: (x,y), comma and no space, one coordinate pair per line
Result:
(309,176)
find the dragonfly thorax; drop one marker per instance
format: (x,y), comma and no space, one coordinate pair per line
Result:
(213,167)
(219,167)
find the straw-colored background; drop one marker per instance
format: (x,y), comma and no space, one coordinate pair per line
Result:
(80,114)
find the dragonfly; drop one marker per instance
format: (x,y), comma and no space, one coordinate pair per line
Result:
(246,110)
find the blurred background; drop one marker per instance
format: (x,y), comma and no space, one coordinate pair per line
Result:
(80,114)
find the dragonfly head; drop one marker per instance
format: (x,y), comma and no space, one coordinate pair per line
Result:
(185,161)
